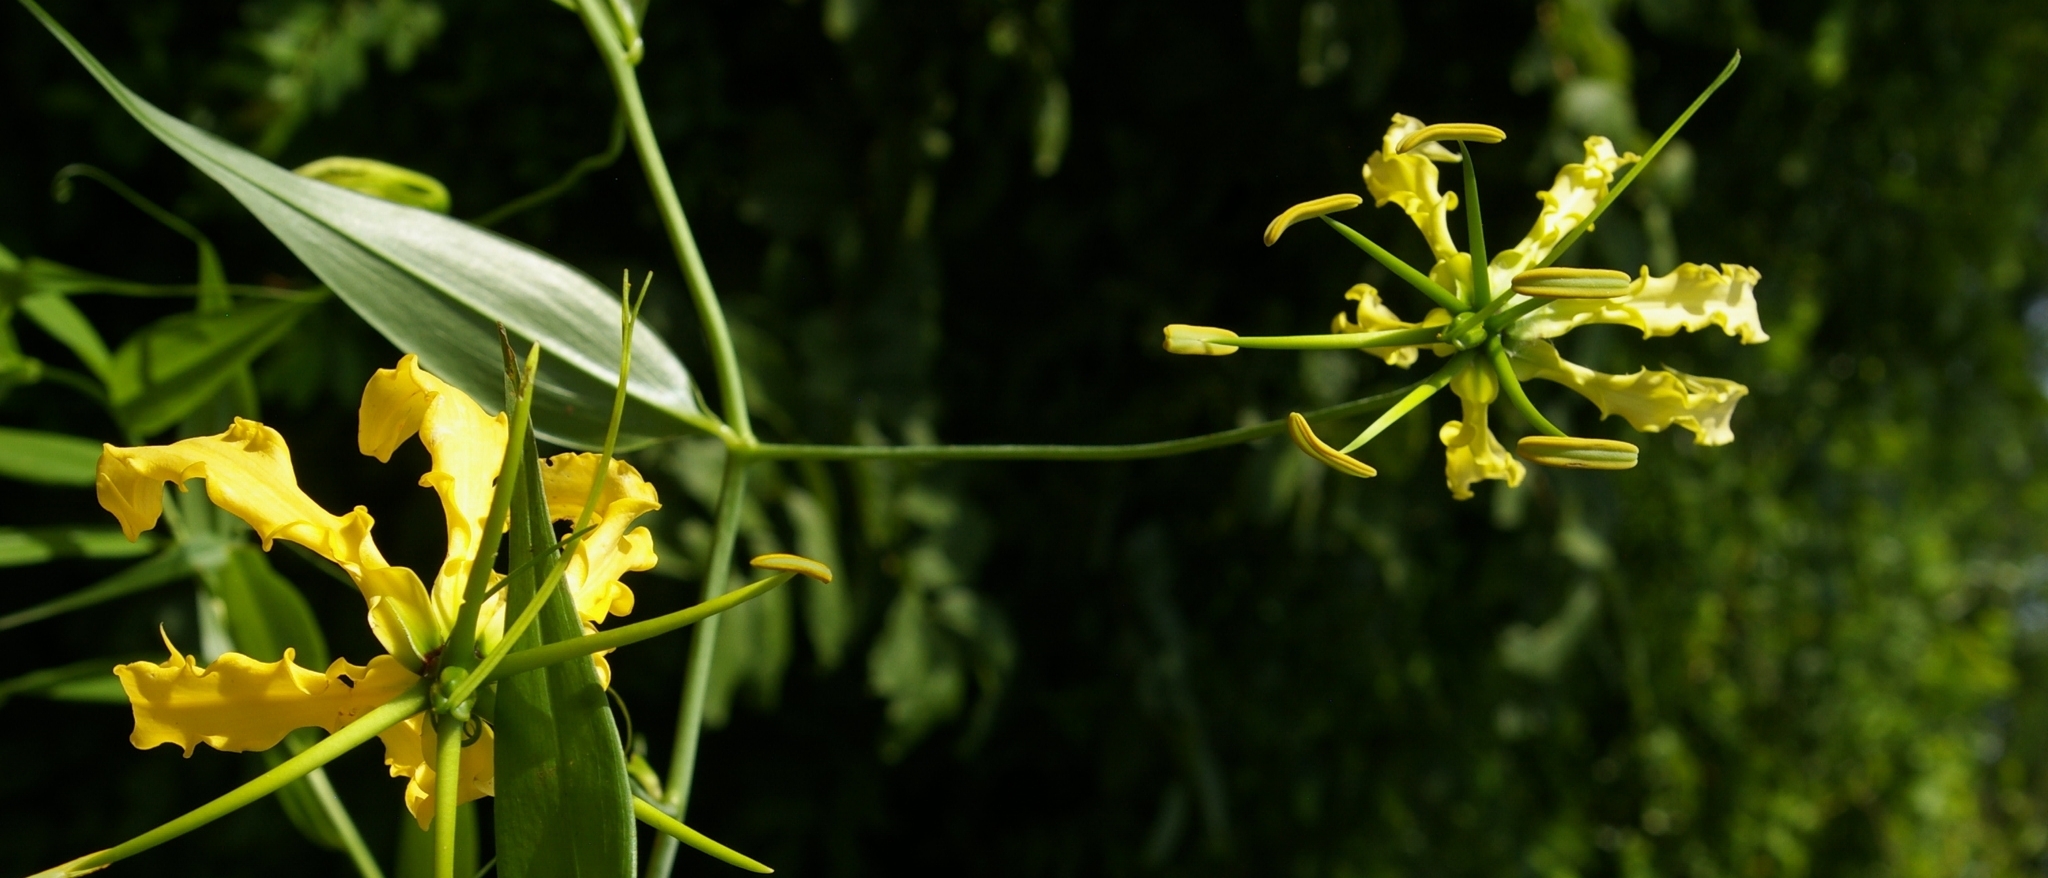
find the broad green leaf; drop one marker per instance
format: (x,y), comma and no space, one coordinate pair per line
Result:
(437,286)
(165,568)
(64,322)
(315,810)
(179,363)
(266,613)
(78,681)
(416,845)
(563,807)
(828,607)
(23,546)
(48,458)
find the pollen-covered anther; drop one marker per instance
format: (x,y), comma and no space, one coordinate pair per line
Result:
(786,563)
(1199,341)
(1572,283)
(1305,438)
(1467,131)
(1572,452)
(1309,210)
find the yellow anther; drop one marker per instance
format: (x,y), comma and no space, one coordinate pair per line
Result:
(1199,341)
(1313,446)
(1572,452)
(783,563)
(1573,283)
(379,180)
(1309,210)
(1467,131)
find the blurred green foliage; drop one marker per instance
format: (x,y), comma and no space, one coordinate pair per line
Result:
(1818,651)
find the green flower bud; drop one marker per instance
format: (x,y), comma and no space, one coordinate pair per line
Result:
(1199,341)
(379,180)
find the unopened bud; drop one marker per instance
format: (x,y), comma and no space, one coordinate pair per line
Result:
(1312,445)
(1466,131)
(785,563)
(1572,283)
(1572,452)
(1200,341)
(379,180)
(1309,210)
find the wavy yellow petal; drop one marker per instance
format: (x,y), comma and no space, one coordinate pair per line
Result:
(238,703)
(248,472)
(467,445)
(1690,298)
(1373,315)
(1571,198)
(405,748)
(1649,400)
(1471,453)
(611,549)
(1409,180)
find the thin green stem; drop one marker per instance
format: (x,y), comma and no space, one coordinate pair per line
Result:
(1572,237)
(459,652)
(1139,451)
(1416,397)
(560,651)
(1403,270)
(629,315)
(717,336)
(652,815)
(344,825)
(1507,318)
(1513,386)
(366,727)
(212,286)
(697,677)
(1341,341)
(552,191)
(447,786)
(1475,231)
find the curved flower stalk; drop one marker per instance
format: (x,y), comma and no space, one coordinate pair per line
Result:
(238,703)
(1493,325)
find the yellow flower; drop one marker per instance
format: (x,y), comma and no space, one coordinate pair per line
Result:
(238,703)
(1494,324)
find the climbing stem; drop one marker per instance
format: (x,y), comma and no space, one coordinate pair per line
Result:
(447,785)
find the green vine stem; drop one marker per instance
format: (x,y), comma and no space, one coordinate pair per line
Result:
(368,726)
(447,787)
(1139,451)
(604,31)
(682,767)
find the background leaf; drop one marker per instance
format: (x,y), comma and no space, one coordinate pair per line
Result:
(436,286)
(48,458)
(23,546)
(163,569)
(175,365)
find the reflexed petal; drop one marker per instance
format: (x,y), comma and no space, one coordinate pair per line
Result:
(248,472)
(1471,453)
(610,550)
(1573,195)
(1650,400)
(1410,181)
(1375,316)
(406,746)
(1691,298)
(238,703)
(467,445)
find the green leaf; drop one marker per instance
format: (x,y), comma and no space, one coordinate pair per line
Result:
(416,845)
(564,806)
(23,546)
(183,361)
(266,613)
(165,568)
(65,323)
(437,287)
(78,681)
(48,458)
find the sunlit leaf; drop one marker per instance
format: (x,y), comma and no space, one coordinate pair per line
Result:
(78,681)
(48,458)
(55,314)
(436,286)
(266,613)
(23,546)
